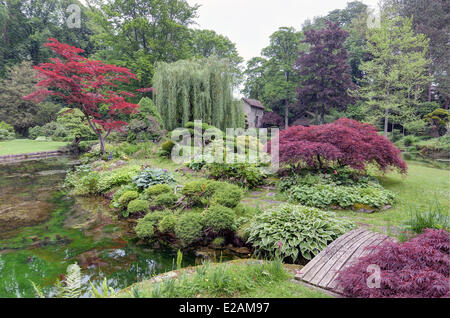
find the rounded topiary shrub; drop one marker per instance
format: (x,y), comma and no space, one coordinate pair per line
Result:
(158,189)
(137,206)
(167,223)
(127,197)
(218,218)
(166,148)
(228,195)
(165,200)
(144,229)
(294,232)
(189,228)
(199,192)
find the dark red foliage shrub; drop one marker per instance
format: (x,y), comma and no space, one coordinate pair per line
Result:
(418,268)
(345,142)
(271,119)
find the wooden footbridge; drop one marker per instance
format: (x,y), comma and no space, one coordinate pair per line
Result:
(323,269)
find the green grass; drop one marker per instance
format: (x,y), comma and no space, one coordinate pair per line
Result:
(19,146)
(419,190)
(237,279)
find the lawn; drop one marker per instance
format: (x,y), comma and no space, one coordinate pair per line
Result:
(420,189)
(19,146)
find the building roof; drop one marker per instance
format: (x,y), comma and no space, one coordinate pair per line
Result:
(253,102)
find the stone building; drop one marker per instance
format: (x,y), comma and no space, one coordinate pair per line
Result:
(254,111)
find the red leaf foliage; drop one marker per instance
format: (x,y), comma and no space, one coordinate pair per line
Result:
(345,142)
(418,268)
(271,119)
(85,84)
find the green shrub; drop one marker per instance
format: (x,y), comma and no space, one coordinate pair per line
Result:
(165,200)
(228,195)
(167,223)
(158,189)
(166,148)
(144,229)
(155,216)
(189,228)
(324,195)
(127,197)
(218,218)
(137,206)
(150,177)
(410,140)
(122,189)
(6,135)
(244,174)
(295,231)
(199,192)
(5,126)
(218,242)
(118,177)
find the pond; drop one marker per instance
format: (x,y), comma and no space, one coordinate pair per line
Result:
(43,230)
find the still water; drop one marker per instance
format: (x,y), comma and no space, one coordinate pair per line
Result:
(43,230)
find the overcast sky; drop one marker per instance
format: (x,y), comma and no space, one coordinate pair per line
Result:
(249,23)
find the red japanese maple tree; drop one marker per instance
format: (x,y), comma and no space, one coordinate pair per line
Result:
(345,142)
(87,85)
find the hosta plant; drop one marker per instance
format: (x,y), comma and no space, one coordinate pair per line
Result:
(418,268)
(149,177)
(295,232)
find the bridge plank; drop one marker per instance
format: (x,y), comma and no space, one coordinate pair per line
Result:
(323,270)
(314,266)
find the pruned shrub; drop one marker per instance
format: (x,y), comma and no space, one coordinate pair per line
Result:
(165,200)
(418,268)
(137,206)
(218,218)
(345,142)
(158,189)
(198,192)
(127,197)
(189,228)
(144,229)
(166,148)
(227,195)
(167,223)
(295,232)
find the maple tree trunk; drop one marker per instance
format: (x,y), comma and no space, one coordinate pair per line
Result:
(102,144)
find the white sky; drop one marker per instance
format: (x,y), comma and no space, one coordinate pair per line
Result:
(249,23)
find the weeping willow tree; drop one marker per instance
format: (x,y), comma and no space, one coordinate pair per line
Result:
(199,89)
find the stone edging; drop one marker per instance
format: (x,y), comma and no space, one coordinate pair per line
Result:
(32,156)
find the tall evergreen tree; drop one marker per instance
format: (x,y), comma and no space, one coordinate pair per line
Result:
(325,77)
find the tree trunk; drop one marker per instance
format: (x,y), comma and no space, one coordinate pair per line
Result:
(386,112)
(386,122)
(102,144)
(286,115)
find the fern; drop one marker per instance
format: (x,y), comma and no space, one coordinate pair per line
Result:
(37,290)
(106,290)
(72,288)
